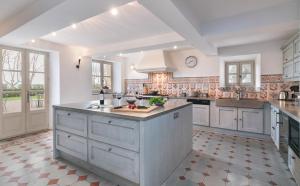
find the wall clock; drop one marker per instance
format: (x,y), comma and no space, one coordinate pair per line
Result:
(191,61)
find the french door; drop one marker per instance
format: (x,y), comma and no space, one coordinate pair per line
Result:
(24,91)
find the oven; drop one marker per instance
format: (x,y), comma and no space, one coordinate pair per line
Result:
(294,136)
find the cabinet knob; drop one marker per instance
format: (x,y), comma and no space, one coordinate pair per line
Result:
(109,121)
(235,119)
(69,114)
(241,119)
(293,157)
(69,136)
(109,149)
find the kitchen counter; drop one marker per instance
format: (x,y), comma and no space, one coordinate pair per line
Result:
(127,148)
(190,97)
(106,110)
(290,108)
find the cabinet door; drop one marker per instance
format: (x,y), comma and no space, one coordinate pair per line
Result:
(273,124)
(228,118)
(250,120)
(297,67)
(214,115)
(117,160)
(201,115)
(297,47)
(72,144)
(288,70)
(288,53)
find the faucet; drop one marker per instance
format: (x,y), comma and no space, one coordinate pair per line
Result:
(238,93)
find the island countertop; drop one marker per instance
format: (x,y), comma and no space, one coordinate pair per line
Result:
(106,110)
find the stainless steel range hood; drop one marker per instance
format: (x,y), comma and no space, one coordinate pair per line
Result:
(154,61)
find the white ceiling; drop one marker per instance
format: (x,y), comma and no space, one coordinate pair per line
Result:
(10,7)
(133,22)
(209,10)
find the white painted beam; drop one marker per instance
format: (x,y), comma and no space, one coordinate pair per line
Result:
(167,40)
(47,16)
(171,15)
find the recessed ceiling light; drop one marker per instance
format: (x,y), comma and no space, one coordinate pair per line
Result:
(120,54)
(74,26)
(32,41)
(131,3)
(175,47)
(104,56)
(114,11)
(53,33)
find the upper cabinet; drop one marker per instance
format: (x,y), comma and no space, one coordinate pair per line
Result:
(291,59)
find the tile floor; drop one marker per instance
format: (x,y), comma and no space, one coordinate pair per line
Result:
(218,159)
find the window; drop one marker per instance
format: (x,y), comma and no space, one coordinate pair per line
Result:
(239,73)
(102,75)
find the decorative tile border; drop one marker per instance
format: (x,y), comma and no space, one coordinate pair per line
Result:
(271,85)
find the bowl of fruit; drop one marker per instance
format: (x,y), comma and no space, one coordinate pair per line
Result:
(131,103)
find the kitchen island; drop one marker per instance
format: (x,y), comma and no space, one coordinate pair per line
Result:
(125,147)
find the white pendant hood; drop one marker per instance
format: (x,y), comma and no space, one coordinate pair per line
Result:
(154,61)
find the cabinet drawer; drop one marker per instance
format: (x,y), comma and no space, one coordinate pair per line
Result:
(73,122)
(119,132)
(71,144)
(119,161)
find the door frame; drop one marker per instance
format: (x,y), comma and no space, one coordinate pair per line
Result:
(25,88)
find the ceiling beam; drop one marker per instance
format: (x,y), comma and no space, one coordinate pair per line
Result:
(167,11)
(167,40)
(46,16)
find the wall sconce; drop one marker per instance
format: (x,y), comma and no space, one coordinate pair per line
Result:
(79,60)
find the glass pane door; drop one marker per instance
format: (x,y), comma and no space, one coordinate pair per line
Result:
(36,81)
(11,81)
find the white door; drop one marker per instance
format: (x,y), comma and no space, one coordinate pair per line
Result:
(24,96)
(250,120)
(228,118)
(36,91)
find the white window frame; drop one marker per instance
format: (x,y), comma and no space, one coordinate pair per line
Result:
(102,63)
(256,57)
(239,73)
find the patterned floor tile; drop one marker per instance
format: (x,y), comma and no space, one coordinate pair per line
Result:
(218,158)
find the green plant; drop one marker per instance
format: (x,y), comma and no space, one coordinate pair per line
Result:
(157,101)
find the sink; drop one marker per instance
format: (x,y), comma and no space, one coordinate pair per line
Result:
(242,103)
(97,106)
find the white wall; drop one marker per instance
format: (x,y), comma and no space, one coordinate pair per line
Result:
(271,55)
(271,60)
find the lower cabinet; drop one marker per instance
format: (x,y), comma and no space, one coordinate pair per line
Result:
(228,118)
(72,144)
(242,119)
(201,115)
(250,120)
(294,164)
(114,159)
(275,126)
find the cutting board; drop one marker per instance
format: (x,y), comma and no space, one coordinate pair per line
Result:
(126,109)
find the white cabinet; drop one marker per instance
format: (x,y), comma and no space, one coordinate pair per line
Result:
(228,118)
(71,144)
(201,115)
(250,120)
(275,126)
(288,70)
(294,164)
(288,53)
(297,47)
(114,159)
(119,132)
(73,122)
(214,114)
(291,59)
(297,67)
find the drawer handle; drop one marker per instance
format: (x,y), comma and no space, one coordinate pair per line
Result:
(109,121)
(109,149)
(69,114)
(69,136)
(293,157)
(273,128)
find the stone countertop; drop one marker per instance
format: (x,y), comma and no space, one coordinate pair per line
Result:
(290,108)
(189,97)
(106,110)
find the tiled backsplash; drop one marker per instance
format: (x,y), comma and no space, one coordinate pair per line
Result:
(271,85)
